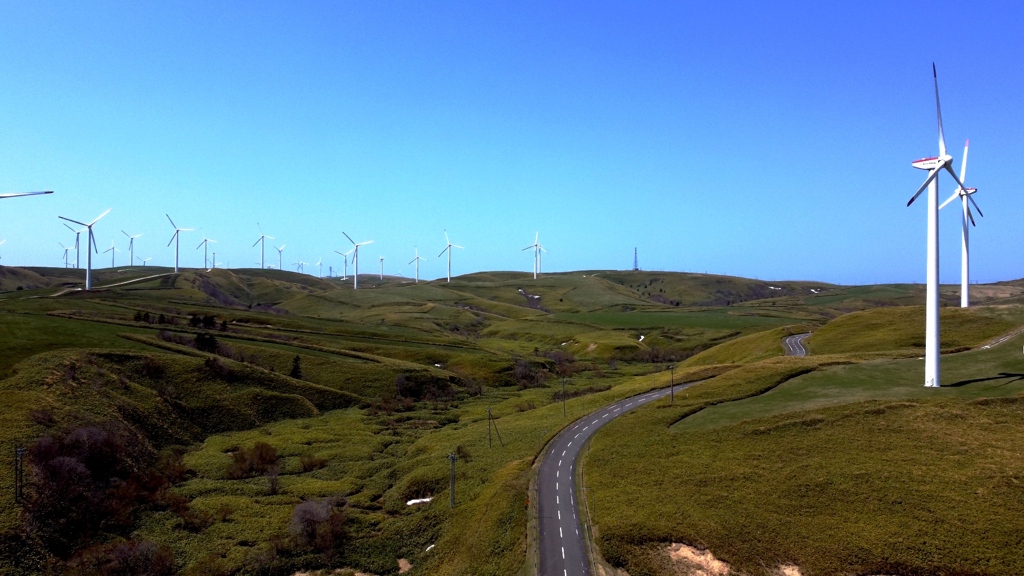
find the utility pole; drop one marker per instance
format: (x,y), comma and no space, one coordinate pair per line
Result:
(490,422)
(563,397)
(452,458)
(672,384)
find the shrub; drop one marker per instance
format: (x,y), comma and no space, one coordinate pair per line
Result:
(312,462)
(319,524)
(256,460)
(130,558)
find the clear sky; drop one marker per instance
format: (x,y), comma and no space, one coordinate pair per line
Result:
(766,139)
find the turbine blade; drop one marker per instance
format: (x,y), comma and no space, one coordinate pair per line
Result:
(971,216)
(938,111)
(953,174)
(172,237)
(200,244)
(931,176)
(257,241)
(527,248)
(950,199)
(125,233)
(175,226)
(75,221)
(349,237)
(443,251)
(975,205)
(365,243)
(457,246)
(92,239)
(963,164)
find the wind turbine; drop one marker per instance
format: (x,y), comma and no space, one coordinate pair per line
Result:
(355,259)
(66,250)
(536,254)
(2,241)
(280,252)
(299,266)
(262,242)
(320,264)
(934,166)
(381,267)
(131,246)
(90,241)
(205,245)
(175,238)
(417,261)
(965,257)
(143,261)
(77,232)
(17,194)
(112,251)
(448,249)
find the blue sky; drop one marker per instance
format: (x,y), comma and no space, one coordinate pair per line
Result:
(768,140)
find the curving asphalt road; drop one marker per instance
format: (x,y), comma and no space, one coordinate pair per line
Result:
(562,548)
(794,345)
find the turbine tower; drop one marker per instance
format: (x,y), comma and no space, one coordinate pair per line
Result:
(280,256)
(262,242)
(205,245)
(448,249)
(417,261)
(90,241)
(355,259)
(77,233)
(131,246)
(112,251)
(934,165)
(175,238)
(965,256)
(320,264)
(381,267)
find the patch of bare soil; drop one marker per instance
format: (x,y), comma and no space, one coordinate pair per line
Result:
(404,566)
(592,346)
(700,562)
(789,570)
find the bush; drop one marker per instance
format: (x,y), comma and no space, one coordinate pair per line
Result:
(130,558)
(257,460)
(312,462)
(319,524)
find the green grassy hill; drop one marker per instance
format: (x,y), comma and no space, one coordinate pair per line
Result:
(251,394)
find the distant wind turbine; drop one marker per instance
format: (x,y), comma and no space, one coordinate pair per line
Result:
(299,266)
(448,249)
(131,246)
(112,251)
(143,261)
(205,245)
(965,256)
(381,267)
(66,250)
(355,259)
(417,261)
(175,238)
(90,241)
(262,242)
(77,233)
(934,165)
(320,264)
(537,248)
(280,256)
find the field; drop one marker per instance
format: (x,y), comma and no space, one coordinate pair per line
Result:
(279,422)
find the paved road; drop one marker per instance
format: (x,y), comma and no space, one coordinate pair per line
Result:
(794,345)
(562,549)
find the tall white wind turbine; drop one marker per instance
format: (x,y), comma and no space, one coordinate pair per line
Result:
(965,256)
(112,251)
(77,233)
(175,238)
(381,267)
(355,259)
(934,165)
(262,242)
(90,241)
(131,246)
(205,245)
(320,264)
(448,249)
(417,261)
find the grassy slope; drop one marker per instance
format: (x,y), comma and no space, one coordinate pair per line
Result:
(836,470)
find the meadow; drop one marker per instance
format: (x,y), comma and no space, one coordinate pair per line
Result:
(280,422)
